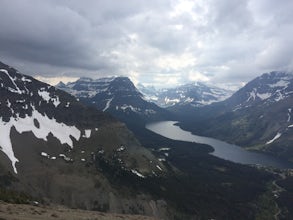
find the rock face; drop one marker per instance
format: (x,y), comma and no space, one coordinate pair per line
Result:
(60,151)
(115,95)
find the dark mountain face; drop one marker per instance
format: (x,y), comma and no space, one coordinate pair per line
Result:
(258,116)
(192,94)
(118,96)
(61,151)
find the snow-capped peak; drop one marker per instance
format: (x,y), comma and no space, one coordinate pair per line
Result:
(268,88)
(195,94)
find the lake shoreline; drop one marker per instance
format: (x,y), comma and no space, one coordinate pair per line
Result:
(223,150)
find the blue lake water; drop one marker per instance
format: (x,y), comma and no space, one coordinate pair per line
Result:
(222,149)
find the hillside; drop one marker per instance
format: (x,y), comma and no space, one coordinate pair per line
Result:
(258,116)
(55,149)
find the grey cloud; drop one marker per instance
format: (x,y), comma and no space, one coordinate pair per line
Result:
(224,40)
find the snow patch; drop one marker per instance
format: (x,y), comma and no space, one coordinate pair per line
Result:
(251,96)
(16,90)
(159,167)
(87,133)
(24,79)
(275,138)
(167,100)
(189,99)
(45,95)
(121,148)
(56,101)
(137,173)
(279,97)
(124,107)
(264,95)
(47,126)
(164,149)
(108,104)
(44,154)
(281,83)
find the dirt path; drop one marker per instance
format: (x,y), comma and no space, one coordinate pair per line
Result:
(29,212)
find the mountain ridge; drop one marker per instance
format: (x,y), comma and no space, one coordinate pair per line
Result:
(257,116)
(195,94)
(117,96)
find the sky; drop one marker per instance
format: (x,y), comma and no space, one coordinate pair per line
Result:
(162,43)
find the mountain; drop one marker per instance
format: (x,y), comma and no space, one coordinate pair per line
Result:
(192,94)
(55,149)
(258,116)
(266,89)
(117,96)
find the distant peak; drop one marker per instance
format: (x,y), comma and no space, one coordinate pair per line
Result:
(85,79)
(60,84)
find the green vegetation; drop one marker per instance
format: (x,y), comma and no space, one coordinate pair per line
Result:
(9,195)
(266,205)
(285,199)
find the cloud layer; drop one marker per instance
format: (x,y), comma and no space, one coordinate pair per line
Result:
(156,42)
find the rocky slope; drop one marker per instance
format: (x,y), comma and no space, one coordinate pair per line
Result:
(55,149)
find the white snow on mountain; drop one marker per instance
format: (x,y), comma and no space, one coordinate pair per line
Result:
(278,135)
(15,89)
(137,173)
(195,94)
(46,97)
(87,87)
(87,133)
(268,88)
(108,104)
(46,126)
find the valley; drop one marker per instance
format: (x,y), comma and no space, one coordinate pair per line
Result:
(102,145)
(210,118)
(220,149)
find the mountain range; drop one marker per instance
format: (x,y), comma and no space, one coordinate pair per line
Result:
(257,116)
(55,149)
(117,96)
(194,94)
(68,146)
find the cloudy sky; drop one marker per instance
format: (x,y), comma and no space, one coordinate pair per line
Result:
(164,42)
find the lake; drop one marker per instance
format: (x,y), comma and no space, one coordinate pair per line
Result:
(222,149)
